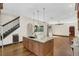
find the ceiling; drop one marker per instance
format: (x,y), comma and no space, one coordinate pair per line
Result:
(54,12)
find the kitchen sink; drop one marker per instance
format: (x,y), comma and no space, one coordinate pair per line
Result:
(31,37)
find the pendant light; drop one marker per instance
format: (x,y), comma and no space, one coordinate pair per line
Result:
(33,17)
(33,22)
(38,16)
(43,13)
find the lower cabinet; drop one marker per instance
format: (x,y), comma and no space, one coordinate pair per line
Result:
(38,48)
(31,45)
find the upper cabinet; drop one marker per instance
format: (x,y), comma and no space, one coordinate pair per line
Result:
(1,5)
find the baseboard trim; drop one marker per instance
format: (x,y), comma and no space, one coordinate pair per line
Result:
(61,35)
(11,44)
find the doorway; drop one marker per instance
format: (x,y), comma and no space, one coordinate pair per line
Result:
(72,31)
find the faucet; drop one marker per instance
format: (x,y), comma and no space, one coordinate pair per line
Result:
(34,34)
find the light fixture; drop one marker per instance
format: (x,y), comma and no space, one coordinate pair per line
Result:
(43,13)
(33,17)
(38,16)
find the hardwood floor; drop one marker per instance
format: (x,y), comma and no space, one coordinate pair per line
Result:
(16,50)
(61,48)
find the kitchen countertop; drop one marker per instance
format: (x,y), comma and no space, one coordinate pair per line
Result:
(43,40)
(4,18)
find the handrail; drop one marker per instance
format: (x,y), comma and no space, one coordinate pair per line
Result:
(11,21)
(12,29)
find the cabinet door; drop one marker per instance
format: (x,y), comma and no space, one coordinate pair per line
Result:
(36,48)
(25,42)
(47,48)
(30,45)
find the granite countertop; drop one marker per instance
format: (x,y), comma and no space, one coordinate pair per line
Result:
(4,18)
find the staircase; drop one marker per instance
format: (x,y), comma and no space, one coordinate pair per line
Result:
(10,27)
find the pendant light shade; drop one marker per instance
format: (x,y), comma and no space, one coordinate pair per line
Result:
(43,13)
(33,17)
(38,14)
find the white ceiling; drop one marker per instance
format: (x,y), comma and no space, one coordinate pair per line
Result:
(54,12)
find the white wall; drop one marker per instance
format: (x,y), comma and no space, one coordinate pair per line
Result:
(60,30)
(64,29)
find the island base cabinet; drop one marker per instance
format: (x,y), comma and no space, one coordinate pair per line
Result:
(30,48)
(25,43)
(39,48)
(47,48)
(36,48)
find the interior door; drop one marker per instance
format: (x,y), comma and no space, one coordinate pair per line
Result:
(72,31)
(1,5)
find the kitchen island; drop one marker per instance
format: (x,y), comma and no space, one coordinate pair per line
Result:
(40,47)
